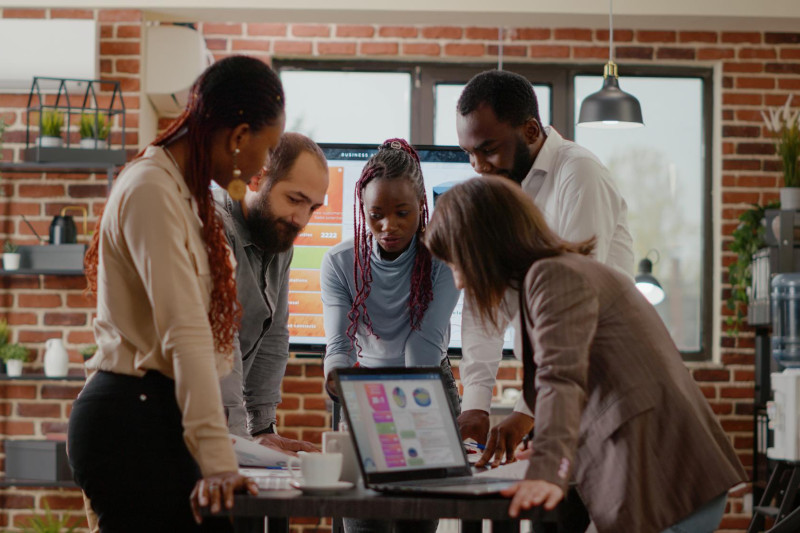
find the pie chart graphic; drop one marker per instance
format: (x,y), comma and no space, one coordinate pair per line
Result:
(399,397)
(422,397)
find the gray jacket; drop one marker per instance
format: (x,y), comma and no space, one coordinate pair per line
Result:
(252,391)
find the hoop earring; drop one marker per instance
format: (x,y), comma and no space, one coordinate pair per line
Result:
(237,187)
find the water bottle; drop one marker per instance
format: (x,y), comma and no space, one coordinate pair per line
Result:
(786,319)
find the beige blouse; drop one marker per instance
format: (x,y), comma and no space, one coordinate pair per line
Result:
(153,296)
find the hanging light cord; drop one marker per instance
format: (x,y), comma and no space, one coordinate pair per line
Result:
(611,31)
(499,48)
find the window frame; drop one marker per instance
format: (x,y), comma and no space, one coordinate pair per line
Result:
(561,78)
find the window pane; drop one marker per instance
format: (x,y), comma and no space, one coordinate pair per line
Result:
(660,172)
(444,133)
(348,107)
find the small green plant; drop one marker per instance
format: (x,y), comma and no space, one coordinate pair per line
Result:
(10,248)
(785,127)
(91,129)
(14,352)
(49,523)
(4,333)
(52,123)
(88,351)
(748,238)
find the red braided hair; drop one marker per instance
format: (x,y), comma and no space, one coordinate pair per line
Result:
(230,92)
(396,159)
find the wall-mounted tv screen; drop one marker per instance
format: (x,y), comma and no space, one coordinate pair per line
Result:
(333,223)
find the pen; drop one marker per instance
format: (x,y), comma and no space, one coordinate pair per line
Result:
(475,445)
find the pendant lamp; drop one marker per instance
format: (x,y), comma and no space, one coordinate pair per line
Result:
(647,284)
(610,107)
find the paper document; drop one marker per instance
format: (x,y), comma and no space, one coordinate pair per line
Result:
(250,453)
(515,470)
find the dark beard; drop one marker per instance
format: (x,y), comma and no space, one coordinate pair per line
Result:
(269,233)
(522,162)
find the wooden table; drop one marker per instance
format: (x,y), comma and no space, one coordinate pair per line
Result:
(276,507)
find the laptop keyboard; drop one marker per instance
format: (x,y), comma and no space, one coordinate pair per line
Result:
(441,482)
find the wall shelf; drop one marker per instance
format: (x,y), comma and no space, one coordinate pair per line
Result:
(40,272)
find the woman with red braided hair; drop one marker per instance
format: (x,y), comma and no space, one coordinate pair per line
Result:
(386,301)
(149,426)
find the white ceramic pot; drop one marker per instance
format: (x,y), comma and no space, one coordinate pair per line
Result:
(56,359)
(102,144)
(790,198)
(51,142)
(13,368)
(11,261)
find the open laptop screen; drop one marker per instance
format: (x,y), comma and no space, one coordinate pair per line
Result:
(401,420)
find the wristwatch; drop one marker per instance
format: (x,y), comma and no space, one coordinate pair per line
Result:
(271,429)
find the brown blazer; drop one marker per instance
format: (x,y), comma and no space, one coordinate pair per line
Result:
(616,409)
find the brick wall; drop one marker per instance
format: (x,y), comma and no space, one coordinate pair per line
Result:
(758,69)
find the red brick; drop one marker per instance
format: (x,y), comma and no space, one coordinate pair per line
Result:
(23,282)
(292,48)
(250,44)
(54,427)
(16,428)
(32,337)
(81,301)
(21,208)
(10,13)
(530,34)
(41,191)
(301,386)
(782,68)
(21,319)
(741,99)
(293,369)
(706,54)
(39,410)
(464,50)
(709,392)
(304,420)
(351,30)
(646,36)
(721,408)
(782,38)
(311,30)
(755,148)
(60,392)
(675,53)
(315,404)
(128,31)
(17,392)
(81,337)
(268,29)
(314,436)
(572,34)
(39,300)
(216,44)
(314,371)
(697,37)
(742,67)
(65,282)
(620,36)
(741,37)
(422,49)
(106,31)
(120,15)
(590,52)
(6,300)
(119,48)
(736,392)
(289,403)
(788,83)
(128,66)
(5,409)
(402,32)
(372,48)
(487,34)
(63,502)
(16,501)
(731,426)
(543,50)
(790,53)
(706,374)
(441,32)
(71,14)
(64,319)
(757,53)
(634,52)
(336,48)
(13,100)
(216,28)
(746,408)
(106,66)
(509,50)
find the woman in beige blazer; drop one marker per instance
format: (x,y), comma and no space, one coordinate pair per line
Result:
(616,410)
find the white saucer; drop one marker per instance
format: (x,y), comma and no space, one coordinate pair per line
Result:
(320,489)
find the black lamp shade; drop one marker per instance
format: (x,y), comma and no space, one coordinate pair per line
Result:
(647,284)
(610,107)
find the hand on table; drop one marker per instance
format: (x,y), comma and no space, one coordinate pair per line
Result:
(217,490)
(289,446)
(530,493)
(474,424)
(504,438)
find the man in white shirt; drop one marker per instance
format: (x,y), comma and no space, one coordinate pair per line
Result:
(499,127)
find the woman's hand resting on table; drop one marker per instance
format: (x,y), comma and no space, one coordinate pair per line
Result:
(217,490)
(532,493)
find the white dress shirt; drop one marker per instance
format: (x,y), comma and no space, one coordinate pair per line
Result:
(578,199)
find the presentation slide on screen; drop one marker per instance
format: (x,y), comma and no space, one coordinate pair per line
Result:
(333,223)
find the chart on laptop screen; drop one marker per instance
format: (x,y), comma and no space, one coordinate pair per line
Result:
(333,223)
(401,422)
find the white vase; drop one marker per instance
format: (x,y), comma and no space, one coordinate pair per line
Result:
(89,143)
(790,198)
(13,368)
(56,359)
(11,261)
(47,141)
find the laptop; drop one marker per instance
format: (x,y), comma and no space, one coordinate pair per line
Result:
(405,433)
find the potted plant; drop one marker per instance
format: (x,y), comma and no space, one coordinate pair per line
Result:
(13,355)
(94,130)
(50,130)
(88,351)
(784,125)
(11,256)
(49,523)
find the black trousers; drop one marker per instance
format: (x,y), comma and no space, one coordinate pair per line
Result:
(127,453)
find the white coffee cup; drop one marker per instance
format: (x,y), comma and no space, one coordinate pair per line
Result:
(342,442)
(316,469)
